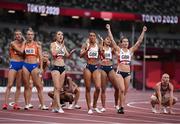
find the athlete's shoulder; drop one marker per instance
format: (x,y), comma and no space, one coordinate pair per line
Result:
(171,85)
(53,43)
(13,42)
(158,85)
(39,43)
(84,45)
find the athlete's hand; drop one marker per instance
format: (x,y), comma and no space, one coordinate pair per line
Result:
(73,50)
(144,29)
(108,26)
(87,47)
(40,73)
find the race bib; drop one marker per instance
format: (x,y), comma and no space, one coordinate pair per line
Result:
(108,55)
(30,51)
(92,54)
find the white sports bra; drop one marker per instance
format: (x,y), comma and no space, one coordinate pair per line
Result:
(125,57)
(60,49)
(108,53)
(93,52)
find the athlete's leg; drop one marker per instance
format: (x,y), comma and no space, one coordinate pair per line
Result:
(103,87)
(87,80)
(97,81)
(58,80)
(26,77)
(77,94)
(11,78)
(18,86)
(113,78)
(126,84)
(39,86)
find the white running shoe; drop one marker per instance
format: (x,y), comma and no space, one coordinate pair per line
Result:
(26,107)
(77,106)
(71,106)
(90,112)
(60,110)
(117,107)
(43,107)
(154,110)
(97,110)
(103,110)
(55,110)
(30,105)
(165,110)
(66,105)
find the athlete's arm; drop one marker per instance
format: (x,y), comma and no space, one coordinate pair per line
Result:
(101,45)
(68,55)
(115,46)
(139,41)
(70,83)
(158,90)
(84,50)
(101,40)
(53,50)
(17,49)
(171,97)
(40,57)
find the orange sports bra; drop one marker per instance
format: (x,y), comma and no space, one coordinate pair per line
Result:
(31,49)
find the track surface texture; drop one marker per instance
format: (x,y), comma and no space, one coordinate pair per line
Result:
(137,110)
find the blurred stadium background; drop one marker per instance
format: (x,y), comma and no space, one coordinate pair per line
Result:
(159,53)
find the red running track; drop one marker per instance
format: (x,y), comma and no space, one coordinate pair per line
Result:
(137,110)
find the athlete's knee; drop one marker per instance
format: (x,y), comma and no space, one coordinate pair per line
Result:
(153,99)
(57,89)
(175,100)
(116,91)
(103,90)
(9,86)
(26,86)
(97,89)
(88,89)
(39,87)
(122,91)
(77,90)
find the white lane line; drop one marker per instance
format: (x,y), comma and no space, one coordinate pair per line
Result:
(127,111)
(165,116)
(132,105)
(149,115)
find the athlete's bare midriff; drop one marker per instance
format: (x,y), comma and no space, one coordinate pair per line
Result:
(92,61)
(58,62)
(123,67)
(31,59)
(17,58)
(106,62)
